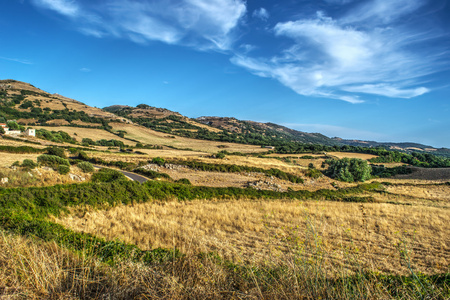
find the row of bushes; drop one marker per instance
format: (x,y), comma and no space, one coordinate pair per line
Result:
(236,169)
(21,149)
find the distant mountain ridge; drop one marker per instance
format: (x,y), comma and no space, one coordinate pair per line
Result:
(30,105)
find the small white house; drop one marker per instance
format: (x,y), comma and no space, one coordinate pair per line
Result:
(30,132)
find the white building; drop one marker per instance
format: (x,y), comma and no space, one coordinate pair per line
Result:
(30,132)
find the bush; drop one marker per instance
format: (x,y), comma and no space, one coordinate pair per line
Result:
(52,161)
(29,164)
(220,155)
(349,170)
(86,167)
(183,181)
(108,175)
(82,155)
(57,152)
(159,161)
(313,173)
(16,164)
(63,169)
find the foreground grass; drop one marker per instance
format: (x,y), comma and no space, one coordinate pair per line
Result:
(253,230)
(31,269)
(44,260)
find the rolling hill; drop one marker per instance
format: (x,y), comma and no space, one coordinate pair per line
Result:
(32,106)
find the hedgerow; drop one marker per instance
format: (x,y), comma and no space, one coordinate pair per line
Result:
(52,160)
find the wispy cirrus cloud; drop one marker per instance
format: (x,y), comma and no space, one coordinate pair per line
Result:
(341,59)
(202,24)
(18,60)
(68,8)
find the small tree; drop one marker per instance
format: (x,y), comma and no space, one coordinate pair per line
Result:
(57,152)
(29,164)
(12,125)
(86,167)
(63,169)
(348,169)
(159,161)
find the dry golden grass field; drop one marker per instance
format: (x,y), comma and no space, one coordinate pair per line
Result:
(18,143)
(148,136)
(42,176)
(351,155)
(7,159)
(357,235)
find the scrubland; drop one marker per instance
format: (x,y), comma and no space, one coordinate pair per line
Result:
(380,241)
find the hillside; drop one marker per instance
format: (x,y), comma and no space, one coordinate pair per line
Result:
(269,130)
(404,147)
(32,106)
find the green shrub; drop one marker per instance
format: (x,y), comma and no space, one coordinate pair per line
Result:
(57,152)
(220,155)
(108,175)
(86,167)
(63,169)
(82,155)
(348,169)
(29,164)
(52,160)
(183,181)
(313,173)
(16,164)
(159,161)
(152,174)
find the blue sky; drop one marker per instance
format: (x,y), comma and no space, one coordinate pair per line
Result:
(363,69)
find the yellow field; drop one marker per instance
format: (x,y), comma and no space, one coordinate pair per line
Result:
(148,136)
(351,155)
(7,159)
(18,143)
(371,234)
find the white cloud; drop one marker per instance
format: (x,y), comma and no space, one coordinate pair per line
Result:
(332,60)
(387,90)
(18,60)
(202,24)
(261,13)
(382,10)
(86,70)
(68,8)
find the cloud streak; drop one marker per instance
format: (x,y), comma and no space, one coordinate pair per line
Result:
(68,8)
(340,58)
(21,61)
(201,24)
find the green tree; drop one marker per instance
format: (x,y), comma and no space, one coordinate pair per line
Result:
(349,169)
(12,125)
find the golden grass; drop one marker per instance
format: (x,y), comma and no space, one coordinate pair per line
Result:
(40,177)
(7,159)
(17,143)
(351,155)
(428,192)
(149,136)
(256,230)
